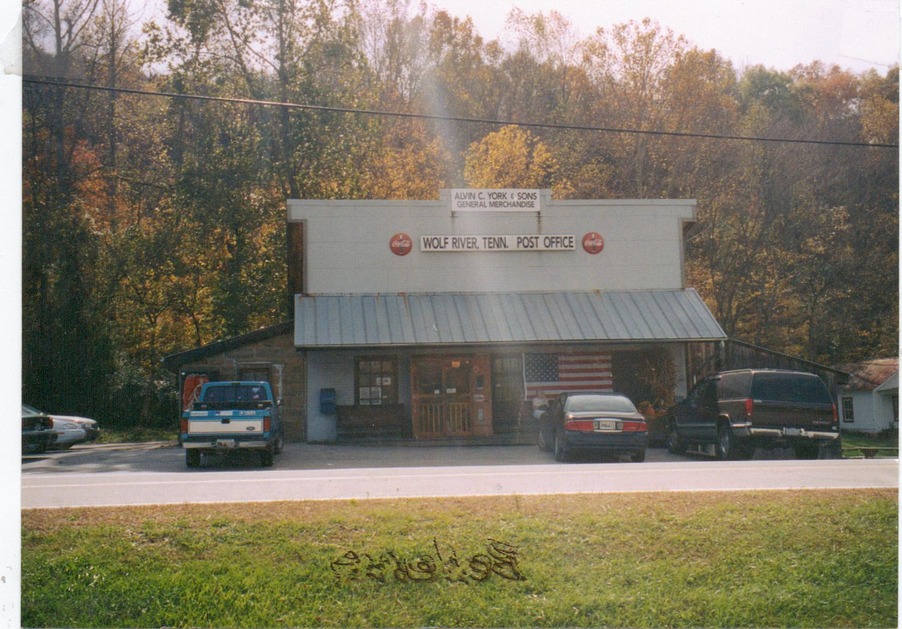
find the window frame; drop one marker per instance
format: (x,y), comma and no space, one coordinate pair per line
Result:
(848,409)
(370,379)
(250,372)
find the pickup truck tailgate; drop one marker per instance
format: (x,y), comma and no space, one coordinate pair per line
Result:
(224,422)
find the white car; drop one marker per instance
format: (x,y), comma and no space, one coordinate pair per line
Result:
(68,433)
(71,429)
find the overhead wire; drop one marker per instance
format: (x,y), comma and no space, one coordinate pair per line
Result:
(455,119)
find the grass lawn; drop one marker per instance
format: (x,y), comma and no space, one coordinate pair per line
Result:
(745,559)
(137,435)
(851,442)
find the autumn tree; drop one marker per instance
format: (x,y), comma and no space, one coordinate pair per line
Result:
(152,225)
(511,158)
(631,63)
(66,346)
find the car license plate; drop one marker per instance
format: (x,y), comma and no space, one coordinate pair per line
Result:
(606,425)
(225,443)
(792,432)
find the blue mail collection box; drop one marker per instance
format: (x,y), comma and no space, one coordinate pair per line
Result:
(327,401)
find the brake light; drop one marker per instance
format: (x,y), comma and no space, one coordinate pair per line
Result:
(582,425)
(267,423)
(835,418)
(749,407)
(633,427)
(183,425)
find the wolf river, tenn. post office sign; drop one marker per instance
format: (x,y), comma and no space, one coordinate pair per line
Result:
(495,242)
(495,200)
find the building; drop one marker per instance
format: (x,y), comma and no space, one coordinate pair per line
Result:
(869,401)
(447,319)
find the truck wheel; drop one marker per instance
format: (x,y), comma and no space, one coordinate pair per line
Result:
(744,451)
(807,451)
(266,457)
(725,448)
(192,458)
(544,441)
(279,444)
(830,450)
(560,447)
(675,444)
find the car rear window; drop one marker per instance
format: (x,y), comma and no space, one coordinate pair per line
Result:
(732,386)
(790,388)
(597,403)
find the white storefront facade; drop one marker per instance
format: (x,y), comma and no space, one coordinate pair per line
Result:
(442,319)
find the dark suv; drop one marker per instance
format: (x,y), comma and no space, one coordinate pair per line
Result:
(738,410)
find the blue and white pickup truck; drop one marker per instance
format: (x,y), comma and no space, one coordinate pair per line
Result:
(230,416)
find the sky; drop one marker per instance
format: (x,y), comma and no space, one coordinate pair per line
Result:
(855,34)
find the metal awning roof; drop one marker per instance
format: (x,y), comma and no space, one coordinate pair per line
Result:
(437,319)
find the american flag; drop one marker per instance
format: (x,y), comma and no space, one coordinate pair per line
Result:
(550,374)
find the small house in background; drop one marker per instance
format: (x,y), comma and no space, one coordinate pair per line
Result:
(869,402)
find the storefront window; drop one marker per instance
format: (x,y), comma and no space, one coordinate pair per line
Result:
(377,381)
(457,379)
(429,378)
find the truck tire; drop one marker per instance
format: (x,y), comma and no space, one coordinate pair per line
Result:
(806,451)
(830,450)
(725,448)
(675,444)
(543,441)
(267,457)
(192,458)
(560,447)
(279,444)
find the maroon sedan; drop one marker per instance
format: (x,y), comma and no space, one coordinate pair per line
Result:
(599,423)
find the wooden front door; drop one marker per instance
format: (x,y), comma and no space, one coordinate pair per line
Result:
(507,392)
(448,397)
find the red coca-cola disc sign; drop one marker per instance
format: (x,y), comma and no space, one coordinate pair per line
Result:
(401,244)
(593,242)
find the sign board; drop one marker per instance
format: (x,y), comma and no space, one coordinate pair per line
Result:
(593,243)
(400,244)
(495,242)
(495,200)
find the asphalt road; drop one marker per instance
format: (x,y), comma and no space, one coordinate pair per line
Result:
(156,474)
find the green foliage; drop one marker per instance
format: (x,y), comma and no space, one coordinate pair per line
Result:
(152,226)
(639,560)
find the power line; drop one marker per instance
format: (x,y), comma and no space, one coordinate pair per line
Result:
(410,115)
